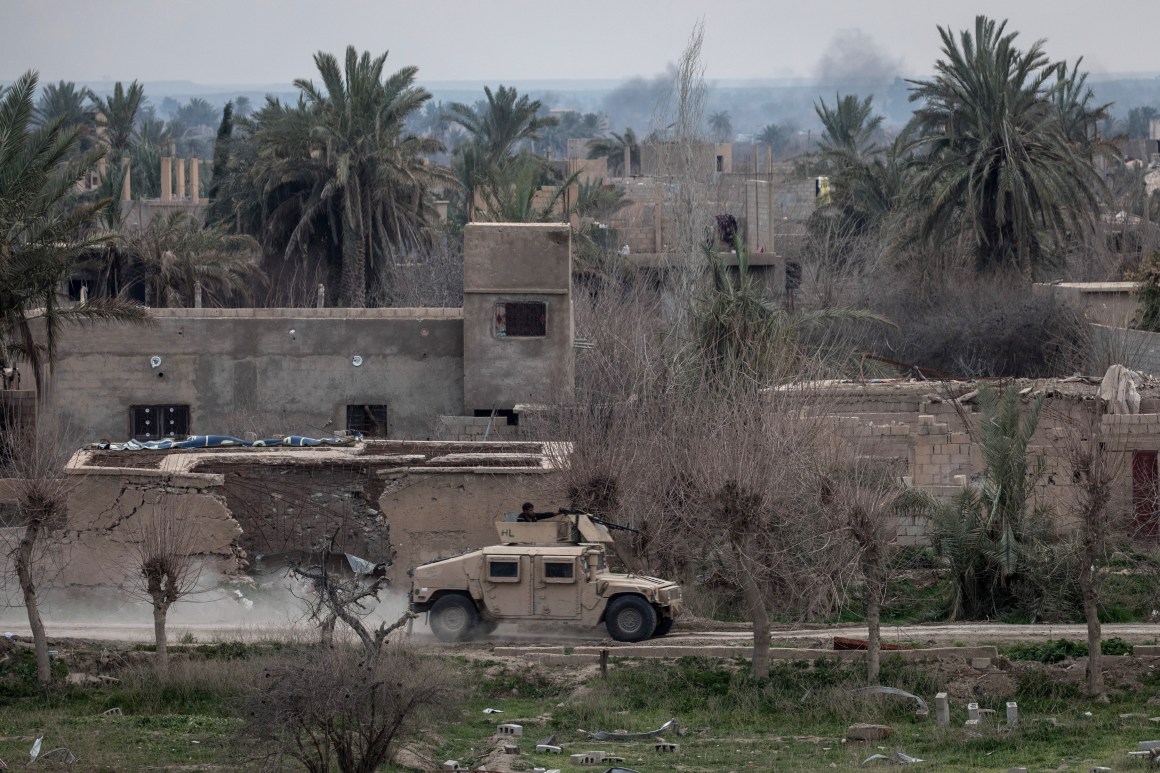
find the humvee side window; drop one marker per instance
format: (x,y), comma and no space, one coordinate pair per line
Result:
(504,570)
(558,570)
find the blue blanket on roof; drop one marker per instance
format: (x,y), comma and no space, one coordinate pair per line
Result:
(224,441)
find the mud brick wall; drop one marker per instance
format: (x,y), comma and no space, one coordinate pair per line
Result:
(302,506)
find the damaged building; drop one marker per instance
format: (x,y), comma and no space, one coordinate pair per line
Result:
(423,388)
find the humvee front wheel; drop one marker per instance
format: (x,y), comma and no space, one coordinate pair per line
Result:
(453,618)
(630,618)
(664,625)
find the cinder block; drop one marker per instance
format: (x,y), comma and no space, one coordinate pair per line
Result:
(510,729)
(547,748)
(665,747)
(586,758)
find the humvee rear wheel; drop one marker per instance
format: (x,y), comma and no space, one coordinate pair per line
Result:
(630,618)
(664,625)
(453,618)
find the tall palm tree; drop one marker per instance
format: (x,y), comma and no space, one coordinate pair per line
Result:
(44,229)
(496,126)
(502,122)
(63,101)
(776,136)
(721,124)
(117,117)
(612,148)
(1080,119)
(996,163)
(849,127)
(351,172)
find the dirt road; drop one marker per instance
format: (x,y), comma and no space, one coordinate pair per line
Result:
(692,634)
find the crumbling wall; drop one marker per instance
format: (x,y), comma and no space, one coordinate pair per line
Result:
(282,507)
(106,514)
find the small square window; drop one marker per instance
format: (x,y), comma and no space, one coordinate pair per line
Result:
(153,422)
(370,420)
(503,570)
(521,319)
(559,571)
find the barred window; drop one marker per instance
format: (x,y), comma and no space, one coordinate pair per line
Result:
(370,420)
(153,422)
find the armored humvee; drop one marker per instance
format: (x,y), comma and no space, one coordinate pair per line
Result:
(546,570)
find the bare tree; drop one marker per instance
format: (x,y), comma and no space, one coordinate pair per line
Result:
(166,568)
(863,498)
(1099,516)
(342,588)
(678,119)
(41,486)
(337,710)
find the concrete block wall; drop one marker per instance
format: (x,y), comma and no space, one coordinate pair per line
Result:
(937,454)
(875,436)
(516,262)
(288,371)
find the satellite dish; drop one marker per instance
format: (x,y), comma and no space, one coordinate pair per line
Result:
(356,361)
(155,361)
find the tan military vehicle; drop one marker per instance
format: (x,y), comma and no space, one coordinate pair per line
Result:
(548,570)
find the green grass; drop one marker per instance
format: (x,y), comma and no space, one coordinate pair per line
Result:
(794,720)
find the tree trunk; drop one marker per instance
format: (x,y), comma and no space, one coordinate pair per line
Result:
(760,616)
(162,661)
(28,589)
(874,632)
(1091,614)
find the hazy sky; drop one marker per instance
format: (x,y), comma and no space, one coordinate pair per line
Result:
(272,41)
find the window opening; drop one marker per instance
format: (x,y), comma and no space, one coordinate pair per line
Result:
(370,420)
(559,570)
(503,569)
(151,422)
(521,319)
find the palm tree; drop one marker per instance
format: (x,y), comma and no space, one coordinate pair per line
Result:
(996,162)
(721,125)
(117,117)
(1080,119)
(63,101)
(502,122)
(496,126)
(1139,120)
(344,169)
(849,128)
(174,254)
(777,137)
(612,148)
(44,229)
